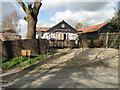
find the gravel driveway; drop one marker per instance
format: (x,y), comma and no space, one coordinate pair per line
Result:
(69,68)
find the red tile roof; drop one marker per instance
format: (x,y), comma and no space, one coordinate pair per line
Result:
(91,28)
(7,30)
(42,28)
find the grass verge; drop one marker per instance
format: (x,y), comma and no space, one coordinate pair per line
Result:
(17,62)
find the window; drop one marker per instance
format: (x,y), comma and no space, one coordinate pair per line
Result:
(39,36)
(45,36)
(57,36)
(60,36)
(48,36)
(67,36)
(36,32)
(42,34)
(73,37)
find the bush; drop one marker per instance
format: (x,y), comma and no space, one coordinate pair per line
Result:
(92,44)
(85,43)
(4,60)
(99,43)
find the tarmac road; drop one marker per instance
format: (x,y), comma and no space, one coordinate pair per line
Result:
(68,70)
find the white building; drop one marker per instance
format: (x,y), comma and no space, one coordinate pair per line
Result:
(61,31)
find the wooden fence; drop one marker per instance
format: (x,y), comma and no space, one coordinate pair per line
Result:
(112,40)
(11,49)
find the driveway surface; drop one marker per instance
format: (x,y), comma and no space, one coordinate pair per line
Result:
(68,68)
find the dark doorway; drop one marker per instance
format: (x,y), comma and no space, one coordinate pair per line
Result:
(64,36)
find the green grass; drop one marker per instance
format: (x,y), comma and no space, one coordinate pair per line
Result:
(52,51)
(17,62)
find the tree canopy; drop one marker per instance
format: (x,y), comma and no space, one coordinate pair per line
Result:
(115,21)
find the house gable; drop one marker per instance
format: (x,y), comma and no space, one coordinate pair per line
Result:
(62,27)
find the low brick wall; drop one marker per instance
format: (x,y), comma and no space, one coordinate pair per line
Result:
(11,49)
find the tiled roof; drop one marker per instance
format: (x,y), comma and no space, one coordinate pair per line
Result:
(42,28)
(91,28)
(6,30)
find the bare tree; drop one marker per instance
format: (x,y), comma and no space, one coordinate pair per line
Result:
(31,11)
(79,25)
(85,24)
(10,21)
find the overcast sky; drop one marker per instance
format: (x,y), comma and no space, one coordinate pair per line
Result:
(53,11)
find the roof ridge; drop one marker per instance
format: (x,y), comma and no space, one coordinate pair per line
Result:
(93,26)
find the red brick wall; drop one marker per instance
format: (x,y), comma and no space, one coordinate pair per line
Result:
(7,35)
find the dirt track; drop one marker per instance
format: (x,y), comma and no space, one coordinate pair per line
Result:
(69,68)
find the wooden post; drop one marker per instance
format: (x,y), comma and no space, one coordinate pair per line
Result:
(25,53)
(28,54)
(107,40)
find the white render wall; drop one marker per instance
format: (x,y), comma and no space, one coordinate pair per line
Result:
(70,36)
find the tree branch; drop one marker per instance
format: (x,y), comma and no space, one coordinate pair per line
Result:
(22,5)
(30,8)
(36,7)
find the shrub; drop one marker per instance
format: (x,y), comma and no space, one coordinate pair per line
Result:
(85,43)
(4,60)
(98,43)
(92,44)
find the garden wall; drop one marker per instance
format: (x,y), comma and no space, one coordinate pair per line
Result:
(12,49)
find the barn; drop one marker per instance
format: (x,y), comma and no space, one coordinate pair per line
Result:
(93,32)
(61,31)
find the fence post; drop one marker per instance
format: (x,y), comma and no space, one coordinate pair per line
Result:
(107,40)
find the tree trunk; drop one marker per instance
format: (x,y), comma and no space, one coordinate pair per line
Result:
(32,12)
(31,27)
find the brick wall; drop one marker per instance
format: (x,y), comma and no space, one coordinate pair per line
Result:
(8,35)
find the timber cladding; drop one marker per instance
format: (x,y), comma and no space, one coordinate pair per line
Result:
(12,49)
